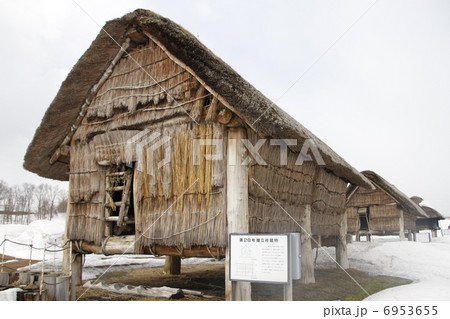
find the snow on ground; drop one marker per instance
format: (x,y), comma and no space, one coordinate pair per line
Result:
(9,294)
(39,232)
(425,263)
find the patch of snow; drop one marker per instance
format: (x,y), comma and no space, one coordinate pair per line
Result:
(426,264)
(426,203)
(39,232)
(444,223)
(9,294)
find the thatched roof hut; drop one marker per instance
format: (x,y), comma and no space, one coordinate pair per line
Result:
(119,116)
(382,211)
(431,222)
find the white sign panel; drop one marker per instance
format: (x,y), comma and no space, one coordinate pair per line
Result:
(259,258)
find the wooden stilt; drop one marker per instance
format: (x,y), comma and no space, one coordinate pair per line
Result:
(237,204)
(401,222)
(172,265)
(77,268)
(306,248)
(65,267)
(341,245)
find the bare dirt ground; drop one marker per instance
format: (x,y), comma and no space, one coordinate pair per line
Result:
(331,284)
(16,264)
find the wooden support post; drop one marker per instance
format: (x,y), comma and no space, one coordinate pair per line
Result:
(307,259)
(77,268)
(237,205)
(401,222)
(341,245)
(172,265)
(65,267)
(434,233)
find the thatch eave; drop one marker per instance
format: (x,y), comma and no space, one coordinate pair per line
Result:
(431,212)
(262,114)
(404,201)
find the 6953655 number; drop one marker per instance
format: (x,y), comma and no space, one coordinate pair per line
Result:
(410,310)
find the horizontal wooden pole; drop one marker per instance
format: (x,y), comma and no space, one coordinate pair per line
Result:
(125,245)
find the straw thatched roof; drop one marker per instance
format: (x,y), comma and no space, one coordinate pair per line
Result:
(431,212)
(249,103)
(404,201)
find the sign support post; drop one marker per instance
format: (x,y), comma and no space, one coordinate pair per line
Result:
(287,291)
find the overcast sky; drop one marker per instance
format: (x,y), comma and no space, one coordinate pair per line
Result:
(371,79)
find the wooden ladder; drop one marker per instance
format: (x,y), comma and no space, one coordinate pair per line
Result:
(124,203)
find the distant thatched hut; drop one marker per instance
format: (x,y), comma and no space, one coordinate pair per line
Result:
(431,222)
(382,211)
(149,141)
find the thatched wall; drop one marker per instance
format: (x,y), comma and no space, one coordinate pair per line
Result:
(276,190)
(384,212)
(183,204)
(385,218)
(427,223)
(353,223)
(86,195)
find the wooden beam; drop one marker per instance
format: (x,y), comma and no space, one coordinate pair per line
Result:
(237,205)
(224,116)
(212,111)
(112,245)
(198,105)
(124,245)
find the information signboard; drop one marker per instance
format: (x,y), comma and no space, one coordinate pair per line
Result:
(259,258)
